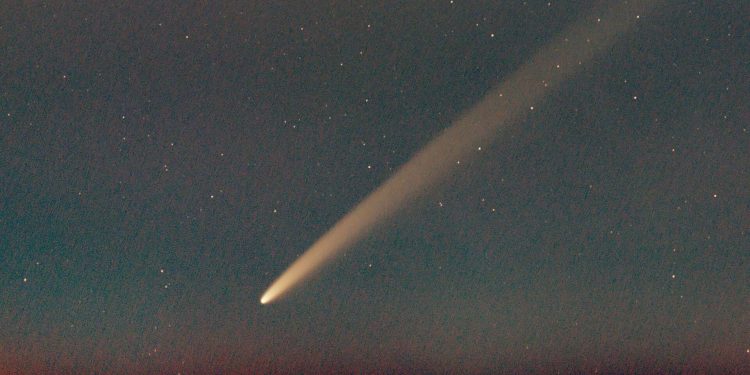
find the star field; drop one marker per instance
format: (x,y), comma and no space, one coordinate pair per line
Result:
(162,164)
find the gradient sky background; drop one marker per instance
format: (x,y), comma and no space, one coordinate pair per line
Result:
(161,165)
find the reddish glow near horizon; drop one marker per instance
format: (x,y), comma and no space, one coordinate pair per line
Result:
(502,107)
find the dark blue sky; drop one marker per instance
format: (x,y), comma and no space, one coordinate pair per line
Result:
(161,165)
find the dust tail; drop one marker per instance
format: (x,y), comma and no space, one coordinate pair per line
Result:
(504,106)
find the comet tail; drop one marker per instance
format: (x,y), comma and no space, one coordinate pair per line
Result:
(503,106)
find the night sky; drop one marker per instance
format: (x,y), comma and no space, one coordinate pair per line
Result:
(161,165)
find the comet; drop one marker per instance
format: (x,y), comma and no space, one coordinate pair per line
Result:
(502,107)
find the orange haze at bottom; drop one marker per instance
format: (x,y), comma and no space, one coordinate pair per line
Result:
(501,107)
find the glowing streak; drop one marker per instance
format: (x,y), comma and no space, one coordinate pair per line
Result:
(504,105)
